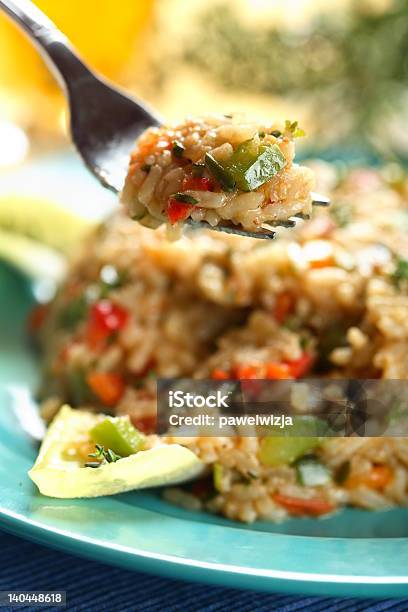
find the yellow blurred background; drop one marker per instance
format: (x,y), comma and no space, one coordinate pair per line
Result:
(339,68)
(106,37)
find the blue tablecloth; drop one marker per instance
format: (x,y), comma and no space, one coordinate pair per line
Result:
(94,586)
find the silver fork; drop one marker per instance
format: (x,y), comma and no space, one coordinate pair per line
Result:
(104,121)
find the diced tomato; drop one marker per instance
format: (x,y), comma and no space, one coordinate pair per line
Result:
(327,262)
(107,386)
(105,318)
(146,424)
(177,211)
(377,478)
(272,370)
(197,183)
(37,317)
(284,305)
(277,371)
(246,372)
(108,315)
(299,506)
(218,374)
(300,367)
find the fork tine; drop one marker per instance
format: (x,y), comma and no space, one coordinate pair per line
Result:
(271,224)
(319,200)
(230,230)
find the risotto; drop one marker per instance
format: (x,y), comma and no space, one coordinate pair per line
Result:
(221,170)
(328,299)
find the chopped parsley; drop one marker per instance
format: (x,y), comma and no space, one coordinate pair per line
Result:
(177,149)
(184,197)
(74,312)
(400,274)
(103,456)
(294,129)
(111,278)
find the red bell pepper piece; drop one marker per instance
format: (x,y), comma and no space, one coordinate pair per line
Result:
(107,386)
(284,305)
(298,506)
(105,319)
(177,211)
(300,367)
(197,183)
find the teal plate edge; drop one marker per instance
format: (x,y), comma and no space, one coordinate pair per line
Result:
(127,532)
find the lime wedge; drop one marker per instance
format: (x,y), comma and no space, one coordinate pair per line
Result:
(58,471)
(30,257)
(42,221)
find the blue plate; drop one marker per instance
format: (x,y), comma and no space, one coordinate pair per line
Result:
(354,553)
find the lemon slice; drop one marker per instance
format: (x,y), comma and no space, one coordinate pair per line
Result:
(58,470)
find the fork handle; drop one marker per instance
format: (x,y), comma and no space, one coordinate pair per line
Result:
(54,46)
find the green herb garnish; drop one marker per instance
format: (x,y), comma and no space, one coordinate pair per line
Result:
(400,274)
(293,127)
(276,133)
(78,388)
(111,278)
(184,197)
(177,149)
(74,312)
(104,456)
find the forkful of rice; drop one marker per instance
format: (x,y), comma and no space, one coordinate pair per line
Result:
(224,172)
(220,172)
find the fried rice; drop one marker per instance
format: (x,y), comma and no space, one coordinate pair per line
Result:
(328,299)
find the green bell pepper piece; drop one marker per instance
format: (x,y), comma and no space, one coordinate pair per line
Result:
(283,449)
(217,476)
(253,166)
(311,472)
(119,435)
(220,173)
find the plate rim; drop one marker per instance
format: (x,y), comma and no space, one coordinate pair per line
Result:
(214,573)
